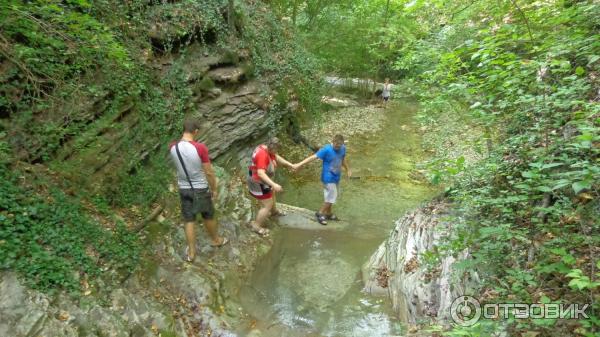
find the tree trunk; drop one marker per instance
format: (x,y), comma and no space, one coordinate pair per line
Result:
(294,12)
(230,9)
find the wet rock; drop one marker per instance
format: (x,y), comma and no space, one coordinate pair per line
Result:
(214,92)
(338,102)
(303,218)
(416,293)
(22,312)
(321,280)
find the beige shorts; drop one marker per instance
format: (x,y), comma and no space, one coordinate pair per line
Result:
(330,192)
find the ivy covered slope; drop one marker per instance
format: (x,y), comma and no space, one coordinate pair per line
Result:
(90,93)
(528,76)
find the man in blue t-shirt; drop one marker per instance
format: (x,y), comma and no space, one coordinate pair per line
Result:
(334,158)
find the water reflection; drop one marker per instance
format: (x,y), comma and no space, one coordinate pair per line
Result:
(309,284)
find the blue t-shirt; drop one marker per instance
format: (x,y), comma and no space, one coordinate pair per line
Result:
(332,163)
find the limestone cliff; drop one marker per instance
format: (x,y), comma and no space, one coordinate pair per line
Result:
(396,269)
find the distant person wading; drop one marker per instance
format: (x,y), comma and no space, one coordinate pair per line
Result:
(386,93)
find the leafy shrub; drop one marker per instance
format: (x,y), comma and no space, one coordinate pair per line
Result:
(51,242)
(530,210)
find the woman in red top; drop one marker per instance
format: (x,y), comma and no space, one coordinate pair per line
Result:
(260,184)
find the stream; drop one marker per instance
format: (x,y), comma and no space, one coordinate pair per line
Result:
(309,284)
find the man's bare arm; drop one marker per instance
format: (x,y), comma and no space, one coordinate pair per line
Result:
(307,160)
(346,167)
(284,162)
(211,177)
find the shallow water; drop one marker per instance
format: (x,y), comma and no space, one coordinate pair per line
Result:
(309,284)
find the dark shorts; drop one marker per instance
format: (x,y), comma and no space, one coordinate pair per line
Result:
(386,98)
(200,204)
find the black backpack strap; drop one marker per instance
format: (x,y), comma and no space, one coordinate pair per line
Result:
(183,166)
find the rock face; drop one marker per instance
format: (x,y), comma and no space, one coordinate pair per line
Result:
(233,117)
(233,110)
(395,269)
(196,77)
(227,75)
(30,313)
(165,295)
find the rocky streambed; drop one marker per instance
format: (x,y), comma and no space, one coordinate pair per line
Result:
(305,280)
(310,283)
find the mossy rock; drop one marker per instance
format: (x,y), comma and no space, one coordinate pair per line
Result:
(171,22)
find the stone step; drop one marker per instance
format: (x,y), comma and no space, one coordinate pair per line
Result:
(302,218)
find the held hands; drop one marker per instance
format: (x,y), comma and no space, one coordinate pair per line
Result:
(215,195)
(295,167)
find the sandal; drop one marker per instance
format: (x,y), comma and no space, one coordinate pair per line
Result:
(224,241)
(333,217)
(187,257)
(261,231)
(321,219)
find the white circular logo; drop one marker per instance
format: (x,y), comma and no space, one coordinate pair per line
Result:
(465,310)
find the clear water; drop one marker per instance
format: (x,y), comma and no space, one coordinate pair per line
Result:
(310,284)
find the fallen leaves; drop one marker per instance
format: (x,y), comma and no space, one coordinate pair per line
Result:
(411,265)
(63,316)
(383,275)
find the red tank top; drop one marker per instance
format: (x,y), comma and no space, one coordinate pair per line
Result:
(262,159)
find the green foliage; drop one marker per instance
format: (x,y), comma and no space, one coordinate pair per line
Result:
(580,281)
(530,207)
(279,59)
(49,42)
(144,187)
(351,38)
(479,329)
(182,21)
(205,84)
(51,243)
